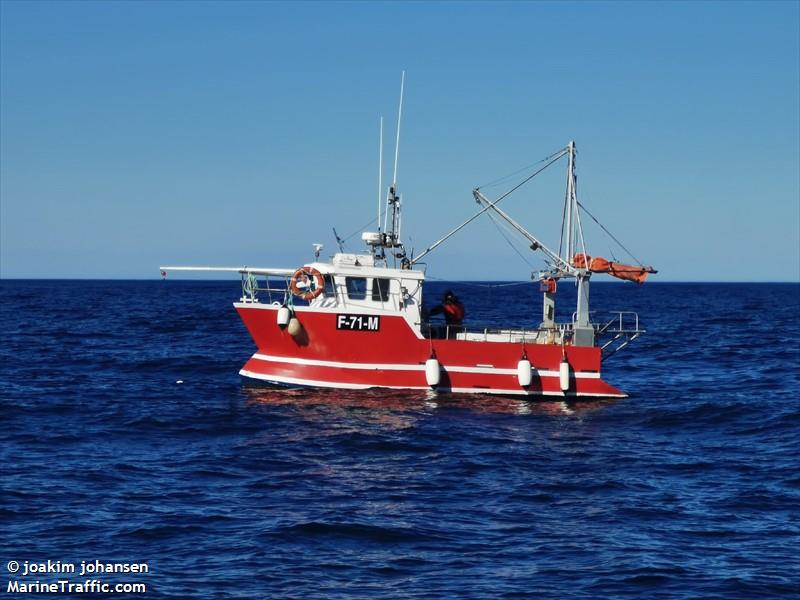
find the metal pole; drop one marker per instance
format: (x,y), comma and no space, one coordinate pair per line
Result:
(570,204)
(531,238)
(380,174)
(397,142)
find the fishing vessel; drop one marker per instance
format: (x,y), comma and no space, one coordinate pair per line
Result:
(358,321)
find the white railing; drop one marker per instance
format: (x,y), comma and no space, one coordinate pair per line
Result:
(493,333)
(621,329)
(622,323)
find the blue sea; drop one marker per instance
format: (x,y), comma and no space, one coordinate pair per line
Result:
(690,488)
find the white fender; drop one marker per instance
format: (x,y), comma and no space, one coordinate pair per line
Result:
(294,327)
(284,314)
(563,375)
(432,374)
(524,373)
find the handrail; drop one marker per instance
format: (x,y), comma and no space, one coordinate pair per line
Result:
(619,334)
(619,321)
(251,288)
(512,334)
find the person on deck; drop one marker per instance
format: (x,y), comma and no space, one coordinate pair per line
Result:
(451,308)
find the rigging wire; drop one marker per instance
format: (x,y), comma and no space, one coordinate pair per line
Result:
(611,235)
(580,228)
(360,229)
(563,224)
(508,241)
(479,285)
(438,242)
(518,171)
(534,174)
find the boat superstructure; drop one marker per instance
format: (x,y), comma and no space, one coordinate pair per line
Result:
(358,321)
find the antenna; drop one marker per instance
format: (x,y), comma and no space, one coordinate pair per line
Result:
(380,174)
(393,200)
(339,240)
(397,142)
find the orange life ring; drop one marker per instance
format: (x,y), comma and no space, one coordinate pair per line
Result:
(307,283)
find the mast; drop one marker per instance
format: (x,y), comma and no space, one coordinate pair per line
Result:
(388,236)
(397,141)
(393,201)
(570,200)
(583,331)
(380,173)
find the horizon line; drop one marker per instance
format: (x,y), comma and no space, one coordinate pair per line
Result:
(432,280)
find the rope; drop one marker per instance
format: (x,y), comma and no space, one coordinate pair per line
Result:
(360,229)
(563,222)
(480,285)
(508,241)
(527,179)
(611,235)
(517,172)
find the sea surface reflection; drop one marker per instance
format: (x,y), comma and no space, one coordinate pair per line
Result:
(382,402)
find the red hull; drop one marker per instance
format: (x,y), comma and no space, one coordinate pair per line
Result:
(394,357)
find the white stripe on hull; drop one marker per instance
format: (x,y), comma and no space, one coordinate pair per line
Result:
(405,367)
(279,379)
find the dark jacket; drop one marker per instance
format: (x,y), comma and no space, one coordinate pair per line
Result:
(452,309)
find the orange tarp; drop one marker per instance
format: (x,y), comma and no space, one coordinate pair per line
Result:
(618,270)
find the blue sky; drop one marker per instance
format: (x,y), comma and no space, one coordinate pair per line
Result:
(138,134)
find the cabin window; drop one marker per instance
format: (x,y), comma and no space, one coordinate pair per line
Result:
(380,290)
(330,289)
(356,288)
